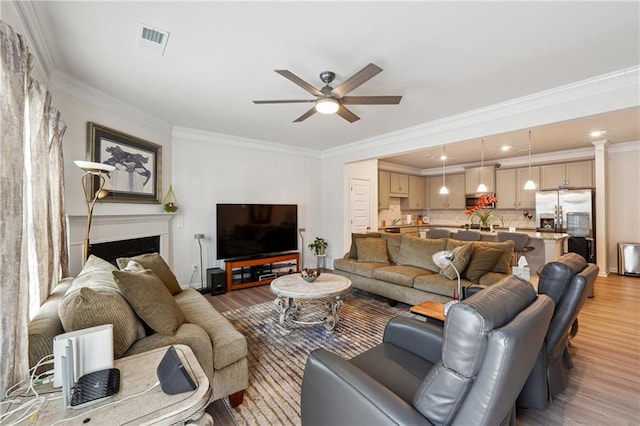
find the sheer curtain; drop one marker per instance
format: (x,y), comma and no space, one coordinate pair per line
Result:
(34,249)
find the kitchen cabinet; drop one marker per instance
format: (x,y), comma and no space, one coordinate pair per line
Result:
(577,174)
(416,198)
(510,188)
(475,175)
(456,198)
(384,188)
(399,185)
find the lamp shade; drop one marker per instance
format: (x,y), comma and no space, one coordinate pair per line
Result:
(442,258)
(327,105)
(482,188)
(94,167)
(530,185)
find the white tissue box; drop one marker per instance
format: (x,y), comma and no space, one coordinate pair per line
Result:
(522,272)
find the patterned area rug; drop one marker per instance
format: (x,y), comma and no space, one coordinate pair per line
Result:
(277,356)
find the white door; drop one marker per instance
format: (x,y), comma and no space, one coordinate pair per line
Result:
(359,205)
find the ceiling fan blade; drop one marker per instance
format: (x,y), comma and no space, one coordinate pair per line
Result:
(371,100)
(356,80)
(286,101)
(346,114)
(300,82)
(306,115)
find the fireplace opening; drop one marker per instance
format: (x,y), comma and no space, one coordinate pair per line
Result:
(112,250)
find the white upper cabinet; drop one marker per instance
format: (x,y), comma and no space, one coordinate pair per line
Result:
(399,185)
(577,174)
(474,176)
(416,198)
(384,186)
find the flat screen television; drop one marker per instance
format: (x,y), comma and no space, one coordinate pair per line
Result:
(253,230)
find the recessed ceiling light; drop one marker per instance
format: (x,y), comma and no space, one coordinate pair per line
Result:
(598,133)
(505,148)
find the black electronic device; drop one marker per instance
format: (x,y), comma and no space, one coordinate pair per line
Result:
(216,281)
(174,377)
(94,387)
(253,230)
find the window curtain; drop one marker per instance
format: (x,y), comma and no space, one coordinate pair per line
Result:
(32,228)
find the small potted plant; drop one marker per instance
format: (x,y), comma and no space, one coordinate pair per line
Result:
(318,246)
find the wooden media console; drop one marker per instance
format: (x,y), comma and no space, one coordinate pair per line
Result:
(245,273)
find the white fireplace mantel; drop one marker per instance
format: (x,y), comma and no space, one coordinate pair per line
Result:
(115,228)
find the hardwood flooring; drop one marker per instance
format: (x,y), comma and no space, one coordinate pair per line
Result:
(604,387)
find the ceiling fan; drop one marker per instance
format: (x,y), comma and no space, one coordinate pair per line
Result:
(329,100)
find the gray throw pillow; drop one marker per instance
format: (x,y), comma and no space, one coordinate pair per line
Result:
(482,260)
(353,252)
(156,263)
(151,300)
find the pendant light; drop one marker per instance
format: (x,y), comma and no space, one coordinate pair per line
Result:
(530,184)
(482,187)
(444,190)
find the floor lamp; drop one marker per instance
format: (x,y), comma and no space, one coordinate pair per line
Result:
(443,259)
(92,169)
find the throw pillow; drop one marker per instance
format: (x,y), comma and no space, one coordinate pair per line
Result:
(372,250)
(416,251)
(461,257)
(133,266)
(503,265)
(156,263)
(94,263)
(483,259)
(353,252)
(151,300)
(89,308)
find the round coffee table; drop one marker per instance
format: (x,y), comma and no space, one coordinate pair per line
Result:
(288,288)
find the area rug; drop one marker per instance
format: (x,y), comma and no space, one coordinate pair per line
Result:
(277,356)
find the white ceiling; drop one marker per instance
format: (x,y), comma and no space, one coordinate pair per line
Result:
(444,58)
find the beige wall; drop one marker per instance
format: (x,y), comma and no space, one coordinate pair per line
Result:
(623,197)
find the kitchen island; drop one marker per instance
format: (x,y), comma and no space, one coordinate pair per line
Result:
(547,246)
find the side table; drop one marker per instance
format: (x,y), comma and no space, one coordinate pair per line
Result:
(139,402)
(432,311)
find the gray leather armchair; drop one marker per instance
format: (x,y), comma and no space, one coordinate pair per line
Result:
(468,372)
(568,281)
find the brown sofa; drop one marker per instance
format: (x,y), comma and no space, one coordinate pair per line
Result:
(148,310)
(400,266)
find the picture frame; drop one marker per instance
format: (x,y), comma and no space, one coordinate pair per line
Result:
(138,174)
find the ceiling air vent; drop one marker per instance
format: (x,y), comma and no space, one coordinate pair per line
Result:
(151,39)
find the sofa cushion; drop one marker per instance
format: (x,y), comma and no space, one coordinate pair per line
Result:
(94,263)
(393,246)
(352,266)
(372,250)
(399,274)
(229,345)
(151,300)
(483,259)
(435,283)
(89,308)
(461,257)
(416,251)
(353,252)
(156,263)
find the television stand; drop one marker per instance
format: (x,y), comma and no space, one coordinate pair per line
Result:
(245,273)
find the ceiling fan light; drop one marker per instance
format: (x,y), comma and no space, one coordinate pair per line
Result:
(530,185)
(327,106)
(482,188)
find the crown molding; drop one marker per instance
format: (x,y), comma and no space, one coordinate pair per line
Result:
(624,147)
(238,141)
(64,83)
(607,92)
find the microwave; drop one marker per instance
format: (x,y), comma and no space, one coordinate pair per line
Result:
(473,200)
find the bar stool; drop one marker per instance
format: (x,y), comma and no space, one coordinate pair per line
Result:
(438,233)
(467,236)
(520,241)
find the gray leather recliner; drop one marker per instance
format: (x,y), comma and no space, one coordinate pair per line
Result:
(469,372)
(568,281)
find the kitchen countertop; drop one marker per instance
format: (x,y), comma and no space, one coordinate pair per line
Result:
(531,232)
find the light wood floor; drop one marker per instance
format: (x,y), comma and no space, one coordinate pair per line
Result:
(604,386)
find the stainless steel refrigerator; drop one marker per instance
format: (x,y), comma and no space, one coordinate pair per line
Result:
(569,211)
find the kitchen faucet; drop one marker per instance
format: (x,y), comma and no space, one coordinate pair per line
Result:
(395,221)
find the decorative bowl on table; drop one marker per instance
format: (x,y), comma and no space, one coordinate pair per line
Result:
(310,275)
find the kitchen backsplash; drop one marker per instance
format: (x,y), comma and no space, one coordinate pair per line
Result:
(451,217)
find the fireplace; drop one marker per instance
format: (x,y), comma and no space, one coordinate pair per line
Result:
(112,250)
(120,230)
